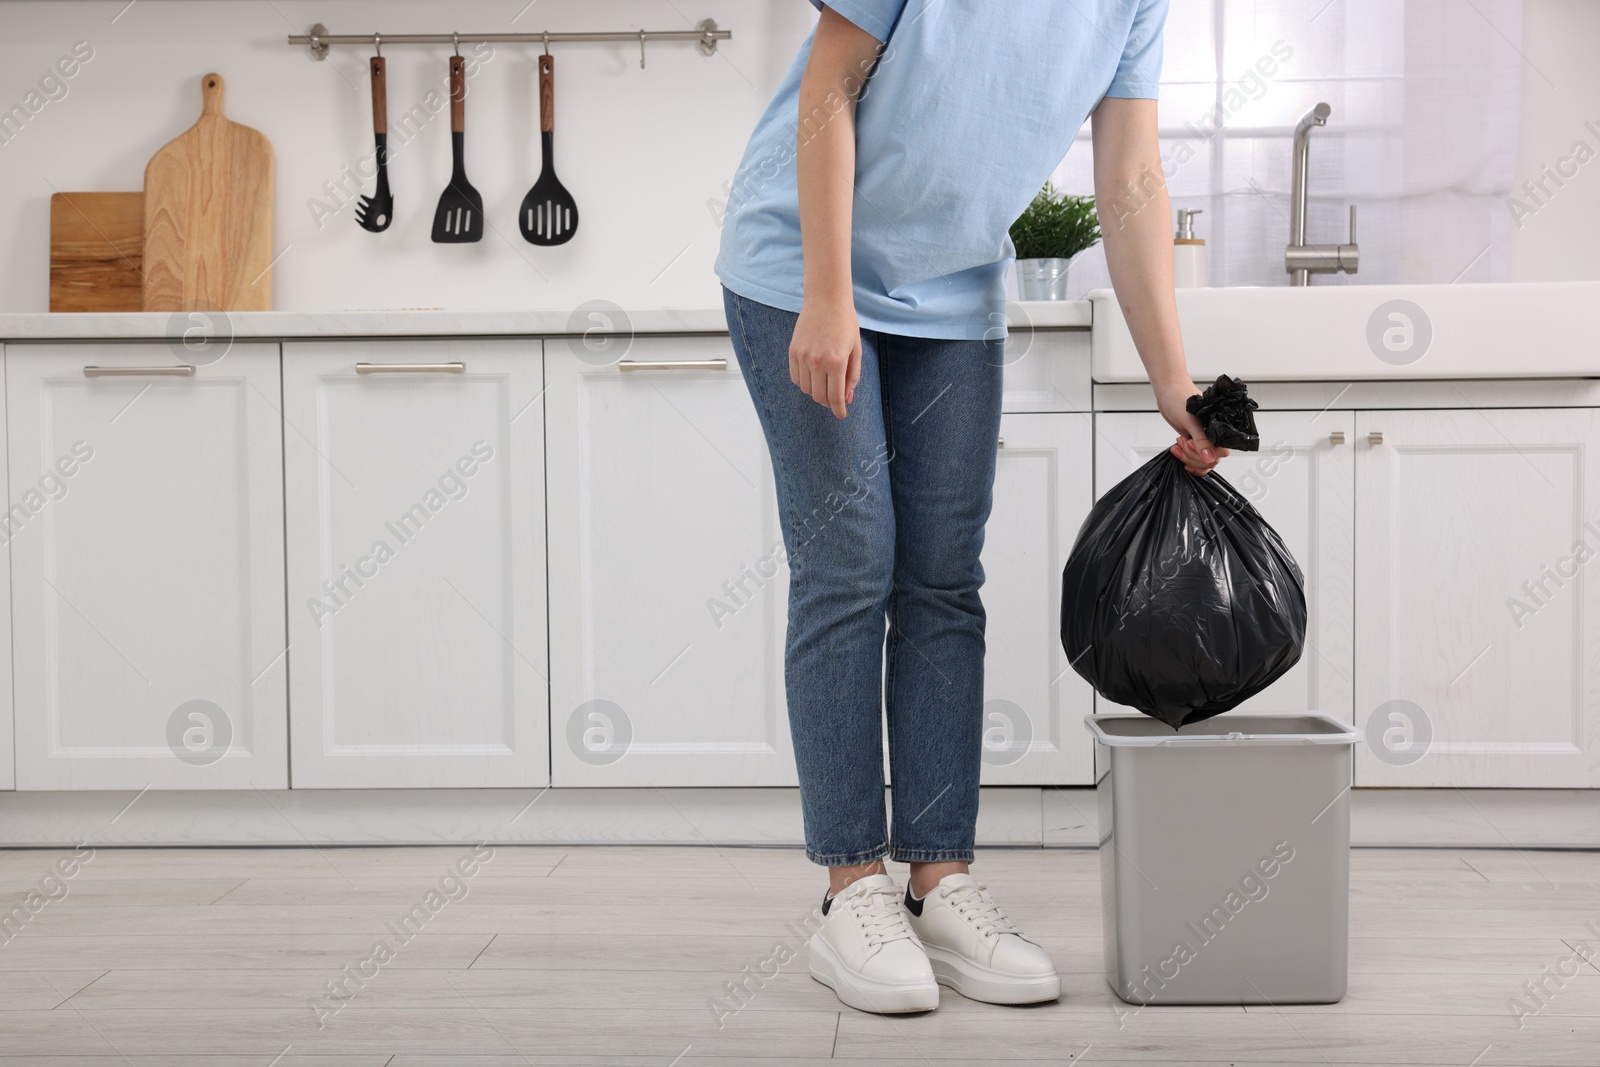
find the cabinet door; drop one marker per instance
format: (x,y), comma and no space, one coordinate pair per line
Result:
(1476,534)
(416,564)
(1034,703)
(668,587)
(1301,483)
(1046,370)
(146,537)
(8,778)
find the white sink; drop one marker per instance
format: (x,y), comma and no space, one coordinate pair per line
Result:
(1353,332)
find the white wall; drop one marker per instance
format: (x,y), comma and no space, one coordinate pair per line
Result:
(643,151)
(1560,239)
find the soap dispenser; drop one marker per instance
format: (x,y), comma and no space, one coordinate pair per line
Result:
(1188,253)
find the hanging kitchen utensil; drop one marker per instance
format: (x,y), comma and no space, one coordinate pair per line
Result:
(208,215)
(459,217)
(549,215)
(375,212)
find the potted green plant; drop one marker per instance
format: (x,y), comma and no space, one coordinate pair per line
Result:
(1054,229)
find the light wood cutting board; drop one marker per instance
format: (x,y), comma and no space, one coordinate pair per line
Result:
(208,216)
(96,246)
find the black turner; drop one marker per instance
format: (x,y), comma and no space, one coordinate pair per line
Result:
(459,217)
(549,215)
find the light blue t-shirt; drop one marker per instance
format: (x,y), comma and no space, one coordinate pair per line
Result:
(972,106)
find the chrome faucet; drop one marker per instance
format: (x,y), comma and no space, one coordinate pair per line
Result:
(1300,259)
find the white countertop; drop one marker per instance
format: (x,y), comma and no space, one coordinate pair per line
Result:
(1320,333)
(270,325)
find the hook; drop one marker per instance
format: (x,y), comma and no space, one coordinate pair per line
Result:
(377,42)
(546,42)
(641,49)
(456,37)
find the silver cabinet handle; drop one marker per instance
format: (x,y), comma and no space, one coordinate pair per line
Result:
(1002,443)
(1336,437)
(411,368)
(1375,437)
(182,370)
(672,364)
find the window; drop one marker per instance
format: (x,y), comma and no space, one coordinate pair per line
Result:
(1425,96)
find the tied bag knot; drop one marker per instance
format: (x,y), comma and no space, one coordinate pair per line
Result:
(1226,414)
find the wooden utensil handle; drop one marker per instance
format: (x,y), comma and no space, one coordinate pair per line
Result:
(458,95)
(547,93)
(380,96)
(211,95)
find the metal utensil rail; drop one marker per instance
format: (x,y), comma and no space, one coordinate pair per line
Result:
(706,34)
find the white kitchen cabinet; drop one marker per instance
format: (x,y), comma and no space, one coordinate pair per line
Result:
(416,563)
(1046,370)
(146,541)
(1301,483)
(1034,703)
(8,764)
(1476,534)
(668,582)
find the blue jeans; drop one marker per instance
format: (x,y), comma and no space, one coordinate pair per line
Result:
(883,515)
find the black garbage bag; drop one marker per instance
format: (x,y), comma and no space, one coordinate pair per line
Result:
(1226,414)
(1178,599)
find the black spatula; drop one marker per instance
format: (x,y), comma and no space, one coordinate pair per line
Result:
(459,218)
(549,215)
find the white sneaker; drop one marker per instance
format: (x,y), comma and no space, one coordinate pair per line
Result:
(867,952)
(974,949)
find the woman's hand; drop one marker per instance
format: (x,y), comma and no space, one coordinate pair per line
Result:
(1127,157)
(825,353)
(1198,454)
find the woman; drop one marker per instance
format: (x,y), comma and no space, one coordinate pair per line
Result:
(863,256)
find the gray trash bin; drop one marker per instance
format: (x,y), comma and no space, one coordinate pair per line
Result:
(1225,857)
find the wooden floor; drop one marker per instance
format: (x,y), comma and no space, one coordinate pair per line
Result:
(615,955)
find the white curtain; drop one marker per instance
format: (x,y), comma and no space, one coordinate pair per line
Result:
(1422,138)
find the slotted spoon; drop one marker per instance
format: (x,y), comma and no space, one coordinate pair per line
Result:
(549,215)
(375,212)
(459,217)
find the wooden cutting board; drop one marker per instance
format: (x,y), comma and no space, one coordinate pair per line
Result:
(96,247)
(208,216)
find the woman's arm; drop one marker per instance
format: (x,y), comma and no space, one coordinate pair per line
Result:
(1131,198)
(825,353)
